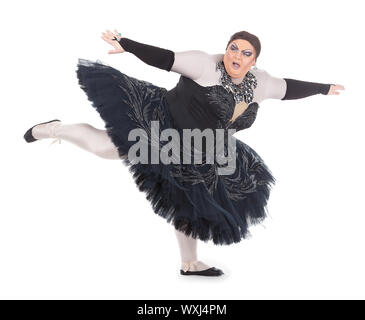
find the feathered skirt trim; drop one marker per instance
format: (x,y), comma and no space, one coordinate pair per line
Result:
(193,198)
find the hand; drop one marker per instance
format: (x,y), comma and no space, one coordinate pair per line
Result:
(108,37)
(335,87)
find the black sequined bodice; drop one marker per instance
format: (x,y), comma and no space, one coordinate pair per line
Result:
(194,106)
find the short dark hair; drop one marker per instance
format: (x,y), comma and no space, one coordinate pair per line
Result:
(252,39)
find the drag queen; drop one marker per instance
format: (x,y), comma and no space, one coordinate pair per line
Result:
(215,91)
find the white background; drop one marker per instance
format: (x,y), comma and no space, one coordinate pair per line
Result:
(74,226)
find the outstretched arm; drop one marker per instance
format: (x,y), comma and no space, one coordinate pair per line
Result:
(191,63)
(153,56)
(290,89)
(297,89)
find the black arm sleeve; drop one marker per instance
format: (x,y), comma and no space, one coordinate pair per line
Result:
(296,89)
(154,56)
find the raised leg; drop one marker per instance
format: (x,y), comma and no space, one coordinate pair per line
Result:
(83,135)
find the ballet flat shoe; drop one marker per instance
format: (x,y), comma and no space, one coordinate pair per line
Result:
(28,135)
(211,272)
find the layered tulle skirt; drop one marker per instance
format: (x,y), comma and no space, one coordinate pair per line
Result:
(194,198)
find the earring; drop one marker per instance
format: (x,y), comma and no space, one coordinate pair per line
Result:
(254,67)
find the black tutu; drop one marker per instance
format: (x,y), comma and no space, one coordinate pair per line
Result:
(193,198)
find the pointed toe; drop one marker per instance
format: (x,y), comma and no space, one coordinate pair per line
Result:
(28,136)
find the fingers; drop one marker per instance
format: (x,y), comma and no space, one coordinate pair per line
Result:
(117,34)
(108,36)
(338,87)
(334,88)
(105,38)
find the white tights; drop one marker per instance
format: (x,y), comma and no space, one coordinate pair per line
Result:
(99,143)
(88,138)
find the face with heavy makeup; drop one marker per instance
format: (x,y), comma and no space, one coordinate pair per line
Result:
(239,57)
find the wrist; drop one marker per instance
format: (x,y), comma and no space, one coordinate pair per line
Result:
(325,89)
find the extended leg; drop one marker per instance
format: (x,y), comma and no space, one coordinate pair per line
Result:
(83,135)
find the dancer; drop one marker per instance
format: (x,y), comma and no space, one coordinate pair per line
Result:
(215,91)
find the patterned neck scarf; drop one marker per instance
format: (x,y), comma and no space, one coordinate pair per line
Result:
(242,91)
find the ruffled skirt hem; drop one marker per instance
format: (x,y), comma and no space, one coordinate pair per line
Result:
(222,215)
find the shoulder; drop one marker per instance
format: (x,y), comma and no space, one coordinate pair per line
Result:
(268,86)
(191,63)
(216,57)
(261,75)
(212,59)
(209,76)
(261,78)
(198,56)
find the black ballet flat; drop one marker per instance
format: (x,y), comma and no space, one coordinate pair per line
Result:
(28,135)
(211,272)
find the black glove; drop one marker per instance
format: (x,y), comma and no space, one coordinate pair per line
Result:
(296,89)
(154,56)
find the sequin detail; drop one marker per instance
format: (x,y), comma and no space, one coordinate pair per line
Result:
(216,207)
(242,91)
(224,104)
(249,167)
